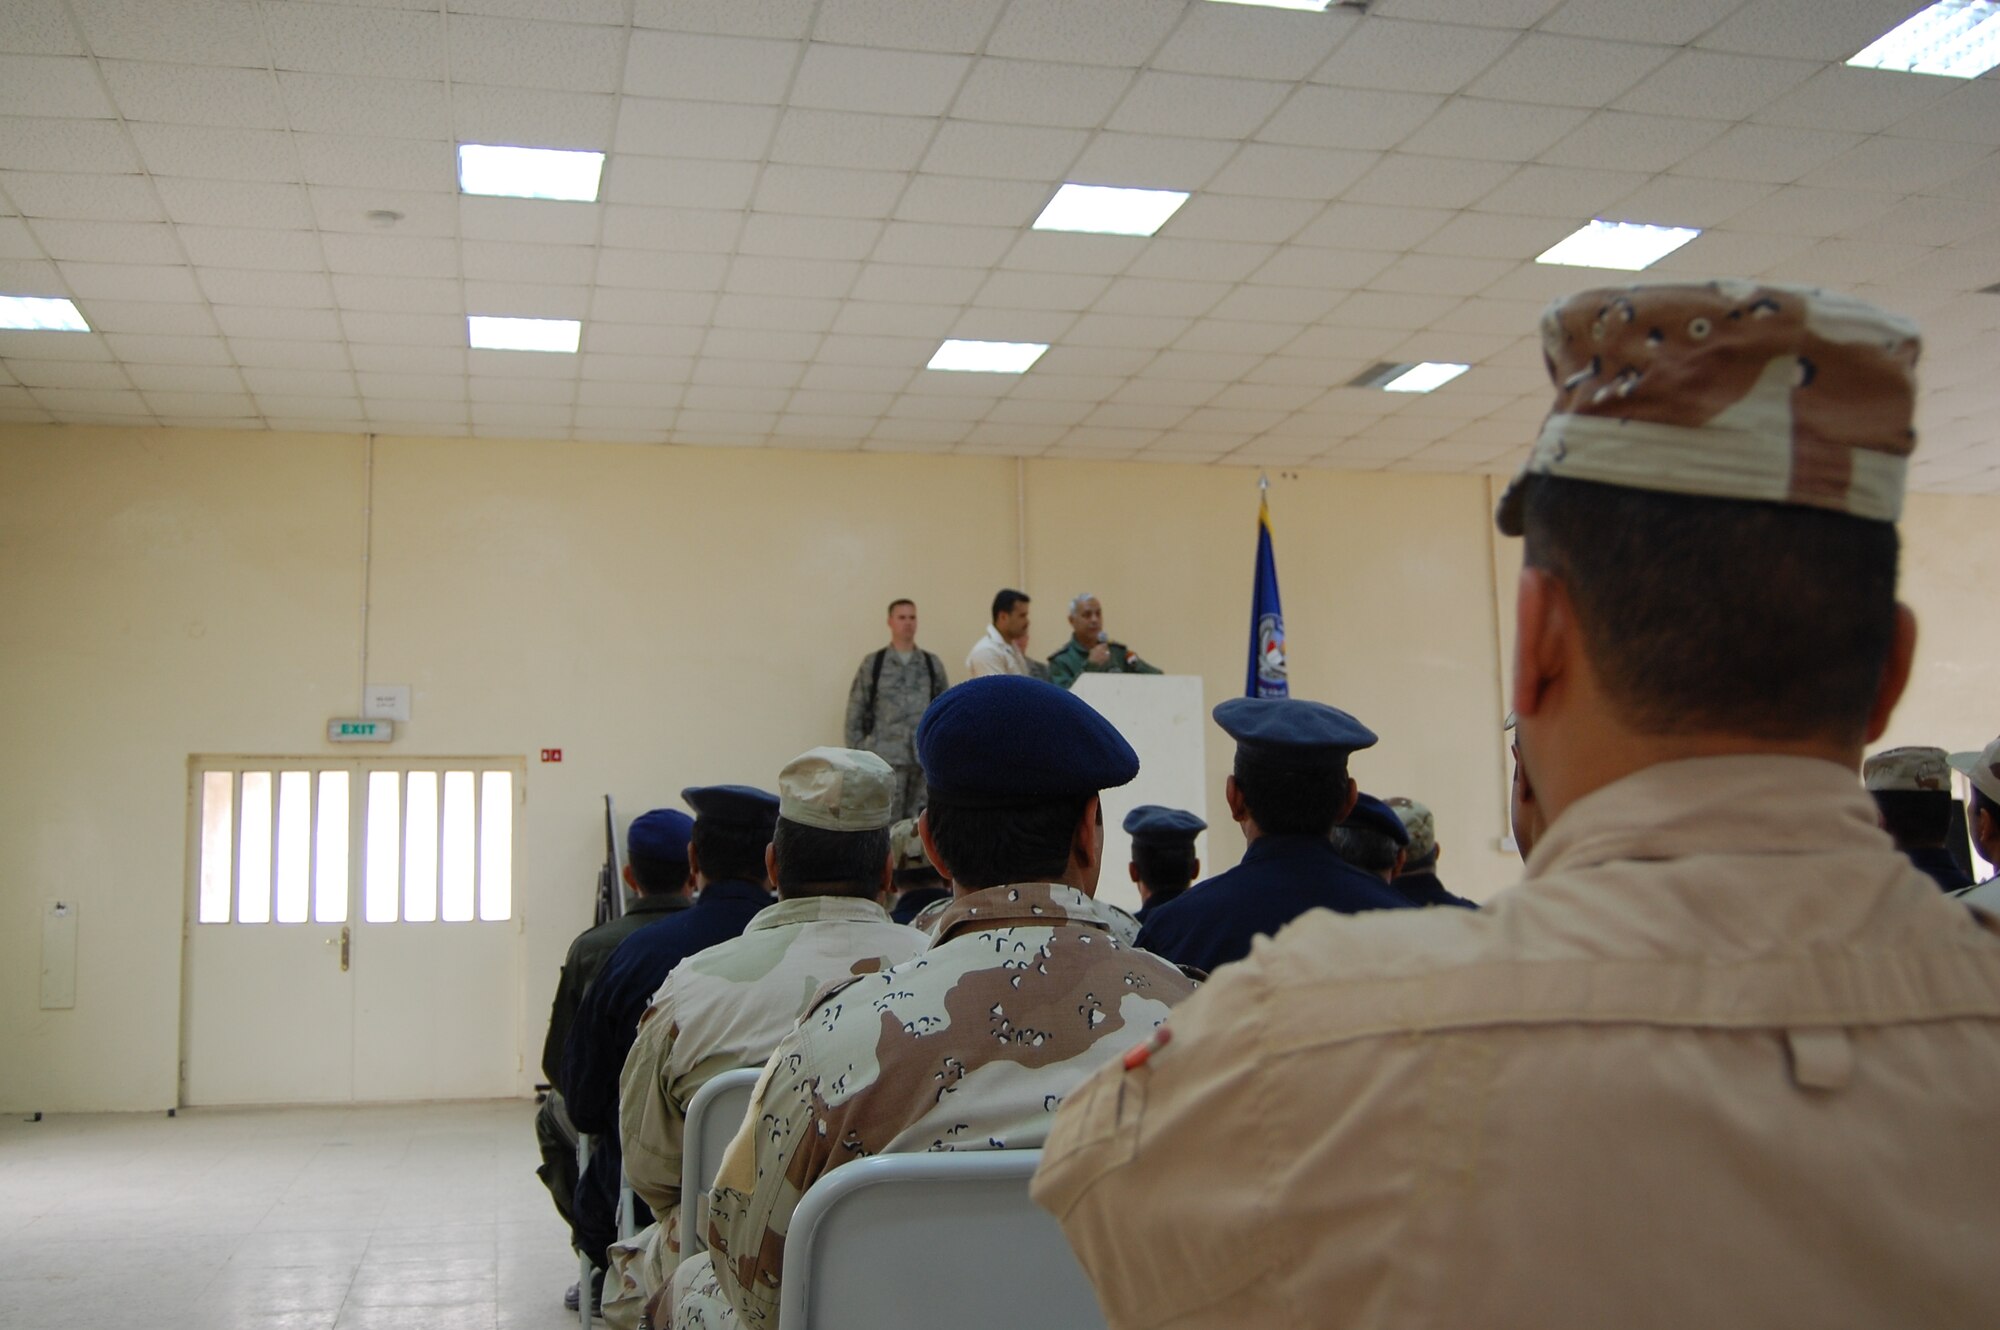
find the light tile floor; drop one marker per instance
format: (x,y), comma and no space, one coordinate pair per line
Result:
(378,1217)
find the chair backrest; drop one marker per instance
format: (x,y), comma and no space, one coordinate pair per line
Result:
(945,1238)
(713,1116)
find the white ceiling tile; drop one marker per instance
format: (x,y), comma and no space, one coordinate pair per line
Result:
(721,428)
(851,377)
(66,374)
(67,402)
(1269,170)
(218,154)
(1923,221)
(1776,154)
(1492,13)
(219,32)
(1493,131)
(1151,161)
(1382,309)
(51,85)
(1824,30)
(418,415)
(1212,336)
(709,69)
(1277,304)
(1252,43)
(1719,84)
(1040,291)
(1034,92)
(1267,396)
(533,300)
(1969,113)
(542,117)
(16,241)
(1624,141)
(1569,192)
(136,349)
(1316,116)
(30,277)
(1543,282)
(899,283)
(158,317)
(1005,436)
(195,94)
(1127,330)
(755,346)
(628,394)
(740,386)
(1153,295)
(1982,183)
(130,281)
(105,198)
(1088,360)
(29,143)
(649,341)
(337,209)
(1235,217)
(1843,262)
(1487,315)
(1015,152)
(1413,57)
(500,260)
(1045,387)
(1137,415)
(1676,24)
(1057,251)
(657,373)
(916,436)
(516,53)
(54,346)
(903,353)
(249,286)
(1439,274)
(1952,270)
(257,322)
(814,190)
(784,313)
(916,25)
(343,104)
(409,295)
(851,139)
(1804,210)
(328,159)
(1105,32)
(661,181)
(1201,260)
(645,273)
(1025,411)
(409,359)
(726,130)
(1732,253)
(1167,389)
(491,369)
(808,237)
(244,247)
(1405,180)
(311,382)
(698,230)
(391,255)
(38,26)
(234,203)
(1861,101)
(839,404)
(851,78)
(1567,71)
(536,221)
(1491,235)
(561,11)
(1368,226)
(1678,200)
(1325,269)
(1901,166)
(764,275)
(767,18)
(676,313)
(1196,106)
(402,329)
(328,39)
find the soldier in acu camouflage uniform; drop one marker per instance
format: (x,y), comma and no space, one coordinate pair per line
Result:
(890,691)
(972,1045)
(728,1006)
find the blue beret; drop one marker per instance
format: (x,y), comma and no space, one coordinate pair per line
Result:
(1371,814)
(1006,740)
(741,805)
(661,834)
(1157,824)
(1292,727)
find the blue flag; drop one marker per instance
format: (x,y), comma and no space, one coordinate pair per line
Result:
(1267,619)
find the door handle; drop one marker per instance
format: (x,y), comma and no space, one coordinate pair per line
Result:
(345,939)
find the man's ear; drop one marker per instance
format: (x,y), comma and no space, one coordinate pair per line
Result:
(1231,795)
(1543,627)
(1133,869)
(771,863)
(888,887)
(632,880)
(1348,800)
(1895,674)
(1396,869)
(1086,842)
(930,846)
(694,865)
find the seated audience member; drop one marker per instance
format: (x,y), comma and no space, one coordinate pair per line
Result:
(1417,880)
(656,869)
(1724,1058)
(995,652)
(917,883)
(1371,838)
(732,828)
(972,1045)
(1983,771)
(1912,789)
(729,1005)
(1088,650)
(1163,857)
(1289,788)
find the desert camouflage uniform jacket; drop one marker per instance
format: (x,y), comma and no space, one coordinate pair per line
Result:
(905,686)
(971,1046)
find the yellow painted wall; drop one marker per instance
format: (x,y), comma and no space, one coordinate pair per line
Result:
(675,616)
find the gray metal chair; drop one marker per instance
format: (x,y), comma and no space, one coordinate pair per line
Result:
(713,1116)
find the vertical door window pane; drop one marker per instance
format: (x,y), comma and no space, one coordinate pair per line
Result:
(496,845)
(385,849)
(294,845)
(330,874)
(459,848)
(218,802)
(253,854)
(420,846)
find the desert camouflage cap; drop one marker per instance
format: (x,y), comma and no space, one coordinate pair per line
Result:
(1418,822)
(1907,769)
(1982,769)
(836,789)
(1730,390)
(906,847)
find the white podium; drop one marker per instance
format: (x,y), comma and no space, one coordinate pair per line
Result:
(1162,717)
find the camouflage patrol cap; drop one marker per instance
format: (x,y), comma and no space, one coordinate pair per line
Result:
(906,847)
(1728,390)
(1920,769)
(1418,822)
(1982,768)
(837,789)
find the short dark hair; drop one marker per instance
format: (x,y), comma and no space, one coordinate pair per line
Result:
(1705,615)
(989,847)
(729,850)
(658,876)
(901,600)
(1166,867)
(1005,600)
(1291,796)
(1915,818)
(813,861)
(1367,849)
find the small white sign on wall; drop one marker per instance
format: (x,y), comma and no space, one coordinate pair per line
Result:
(386,701)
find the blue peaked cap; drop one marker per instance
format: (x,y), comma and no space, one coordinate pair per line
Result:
(1158,824)
(1371,814)
(1006,740)
(1292,727)
(661,834)
(741,805)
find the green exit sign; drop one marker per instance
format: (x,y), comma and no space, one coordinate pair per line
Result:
(360,731)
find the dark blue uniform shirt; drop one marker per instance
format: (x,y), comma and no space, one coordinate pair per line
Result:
(1280,878)
(1936,860)
(608,1021)
(1423,888)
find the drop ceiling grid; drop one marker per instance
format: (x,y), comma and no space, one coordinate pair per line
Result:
(801,199)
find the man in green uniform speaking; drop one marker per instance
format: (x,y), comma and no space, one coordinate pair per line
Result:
(1088,650)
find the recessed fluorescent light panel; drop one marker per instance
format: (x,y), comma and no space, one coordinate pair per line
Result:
(1956,38)
(529,173)
(41,314)
(1311,6)
(495,334)
(1628,245)
(987,357)
(1110,210)
(1421,377)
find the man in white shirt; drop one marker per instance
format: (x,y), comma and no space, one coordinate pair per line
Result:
(995,652)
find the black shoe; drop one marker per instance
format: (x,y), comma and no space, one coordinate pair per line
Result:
(570,1297)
